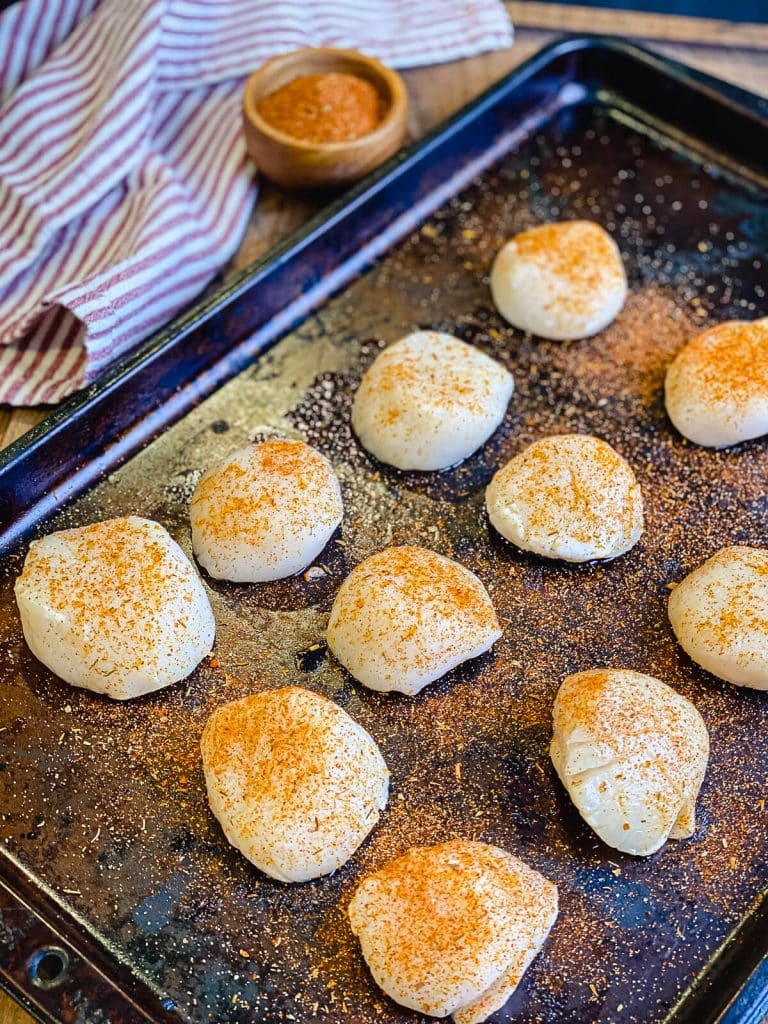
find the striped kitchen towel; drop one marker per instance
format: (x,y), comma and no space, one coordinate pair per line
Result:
(124,183)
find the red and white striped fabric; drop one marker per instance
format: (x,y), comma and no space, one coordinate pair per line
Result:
(124,184)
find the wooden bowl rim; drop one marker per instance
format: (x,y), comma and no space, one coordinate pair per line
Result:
(395,112)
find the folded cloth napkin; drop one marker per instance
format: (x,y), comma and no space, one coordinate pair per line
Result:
(124,183)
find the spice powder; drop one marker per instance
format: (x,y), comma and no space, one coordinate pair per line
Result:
(332,107)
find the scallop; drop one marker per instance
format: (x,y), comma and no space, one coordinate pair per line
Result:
(719,614)
(451,929)
(571,496)
(716,388)
(632,753)
(294,782)
(560,281)
(429,401)
(406,616)
(265,512)
(115,607)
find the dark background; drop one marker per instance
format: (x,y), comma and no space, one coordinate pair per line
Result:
(730,10)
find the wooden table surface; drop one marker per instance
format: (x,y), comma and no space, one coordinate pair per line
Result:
(437,92)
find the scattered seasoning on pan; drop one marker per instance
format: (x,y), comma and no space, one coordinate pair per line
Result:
(333,107)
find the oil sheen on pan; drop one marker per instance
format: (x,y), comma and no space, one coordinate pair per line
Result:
(106,803)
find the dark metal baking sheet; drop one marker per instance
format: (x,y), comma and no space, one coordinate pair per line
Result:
(104,824)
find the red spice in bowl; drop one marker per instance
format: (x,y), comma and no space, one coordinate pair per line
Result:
(331,107)
(322,117)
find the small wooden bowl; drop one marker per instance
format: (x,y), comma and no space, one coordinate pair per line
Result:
(297,164)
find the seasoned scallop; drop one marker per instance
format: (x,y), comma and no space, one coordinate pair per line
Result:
(560,281)
(295,783)
(720,615)
(265,512)
(716,389)
(632,753)
(429,401)
(451,929)
(570,496)
(115,607)
(406,616)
